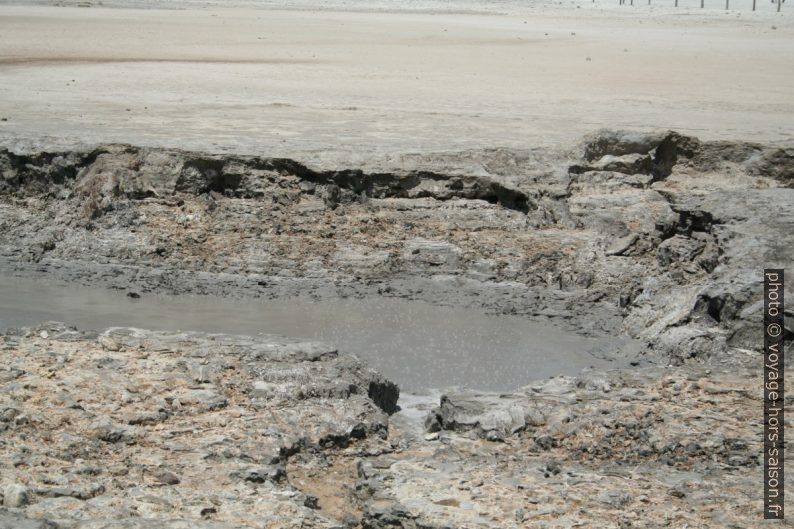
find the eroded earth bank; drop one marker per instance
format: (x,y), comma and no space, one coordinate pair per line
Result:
(659,237)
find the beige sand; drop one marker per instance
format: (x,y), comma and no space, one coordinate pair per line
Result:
(348,85)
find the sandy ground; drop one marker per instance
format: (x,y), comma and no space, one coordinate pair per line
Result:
(348,85)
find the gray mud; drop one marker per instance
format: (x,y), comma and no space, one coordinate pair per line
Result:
(413,343)
(660,237)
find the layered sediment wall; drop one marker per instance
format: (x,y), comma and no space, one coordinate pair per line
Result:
(660,236)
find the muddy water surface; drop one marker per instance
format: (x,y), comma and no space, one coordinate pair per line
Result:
(416,344)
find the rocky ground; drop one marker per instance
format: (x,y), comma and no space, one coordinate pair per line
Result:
(138,429)
(155,426)
(658,236)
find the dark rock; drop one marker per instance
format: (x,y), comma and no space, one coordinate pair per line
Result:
(272,473)
(545,442)
(167,477)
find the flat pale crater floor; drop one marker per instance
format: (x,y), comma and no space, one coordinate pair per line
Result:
(345,86)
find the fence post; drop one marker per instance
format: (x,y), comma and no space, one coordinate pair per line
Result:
(702,3)
(753,5)
(778,6)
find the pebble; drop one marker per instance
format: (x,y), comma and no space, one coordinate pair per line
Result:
(16,496)
(167,477)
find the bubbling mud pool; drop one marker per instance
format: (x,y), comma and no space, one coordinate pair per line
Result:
(418,345)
